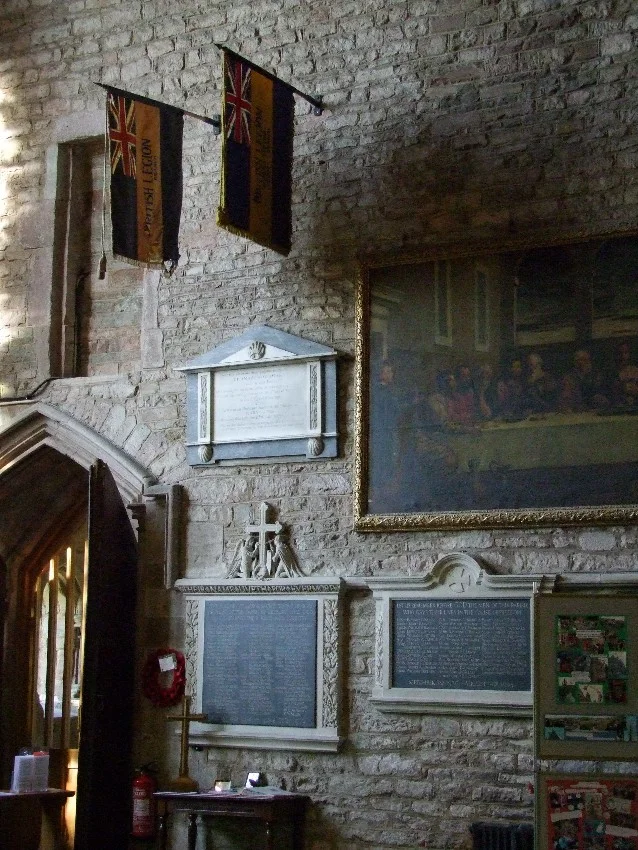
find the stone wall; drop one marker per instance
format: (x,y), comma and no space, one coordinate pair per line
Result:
(444,122)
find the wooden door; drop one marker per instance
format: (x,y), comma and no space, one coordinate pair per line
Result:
(3,614)
(103,814)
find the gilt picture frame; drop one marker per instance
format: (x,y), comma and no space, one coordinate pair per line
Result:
(497,386)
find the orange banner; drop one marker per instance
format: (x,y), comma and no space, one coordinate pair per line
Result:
(150,226)
(261,157)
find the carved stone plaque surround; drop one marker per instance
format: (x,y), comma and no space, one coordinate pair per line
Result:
(327,593)
(452,624)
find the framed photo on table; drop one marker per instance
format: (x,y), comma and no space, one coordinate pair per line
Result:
(498,386)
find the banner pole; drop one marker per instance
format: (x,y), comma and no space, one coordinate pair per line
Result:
(215,120)
(317,102)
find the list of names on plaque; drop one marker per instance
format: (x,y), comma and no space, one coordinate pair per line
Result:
(260,662)
(473,644)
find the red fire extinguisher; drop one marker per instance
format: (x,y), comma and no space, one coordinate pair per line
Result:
(144,784)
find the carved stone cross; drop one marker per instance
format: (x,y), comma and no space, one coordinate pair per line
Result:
(261,529)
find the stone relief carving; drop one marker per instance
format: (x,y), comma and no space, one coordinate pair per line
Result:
(283,559)
(378,639)
(205,453)
(244,558)
(191,634)
(314,395)
(257,589)
(315,446)
(257,350)
(263,552)
(460,579)
(330,663)
(204,392)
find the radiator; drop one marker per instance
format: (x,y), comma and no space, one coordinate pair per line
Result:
(502,836)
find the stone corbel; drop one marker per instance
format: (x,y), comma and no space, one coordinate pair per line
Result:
(137,514)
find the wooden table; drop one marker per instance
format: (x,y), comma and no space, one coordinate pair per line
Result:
(21,818)
(269,808)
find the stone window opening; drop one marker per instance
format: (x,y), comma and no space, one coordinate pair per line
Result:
(95,322)
(58,605)
(76,249)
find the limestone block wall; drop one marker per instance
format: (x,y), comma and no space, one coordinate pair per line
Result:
(446,121)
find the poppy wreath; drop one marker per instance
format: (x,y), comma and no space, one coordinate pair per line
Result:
(163,697)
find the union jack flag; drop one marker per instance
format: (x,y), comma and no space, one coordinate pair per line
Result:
(238,101)
(122,133)
(258,127)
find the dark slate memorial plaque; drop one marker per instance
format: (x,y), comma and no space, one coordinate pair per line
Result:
(260,662)
(472,644)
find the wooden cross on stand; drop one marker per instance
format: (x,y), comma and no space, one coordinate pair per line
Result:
(184,781)
(261,529)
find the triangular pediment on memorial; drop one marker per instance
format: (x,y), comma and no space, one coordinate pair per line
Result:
(259,344)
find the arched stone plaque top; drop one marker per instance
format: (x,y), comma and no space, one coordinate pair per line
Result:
(458,573)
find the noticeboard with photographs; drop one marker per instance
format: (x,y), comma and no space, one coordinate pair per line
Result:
(585,812)
(587,665)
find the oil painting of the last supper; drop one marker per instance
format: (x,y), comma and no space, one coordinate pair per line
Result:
(500,388)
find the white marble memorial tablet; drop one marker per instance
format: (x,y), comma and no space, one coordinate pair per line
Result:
(263,394)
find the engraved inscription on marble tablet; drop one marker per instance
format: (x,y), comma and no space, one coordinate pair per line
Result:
(473,644)
(266,403)
(253,676)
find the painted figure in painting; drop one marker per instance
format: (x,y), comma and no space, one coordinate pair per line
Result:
(625,381)
(541,388)
(384,434)
(583,386)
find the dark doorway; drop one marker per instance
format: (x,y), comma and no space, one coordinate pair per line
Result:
(43,497)
(106,723)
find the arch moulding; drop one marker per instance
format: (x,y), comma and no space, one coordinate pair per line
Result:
(26,427)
